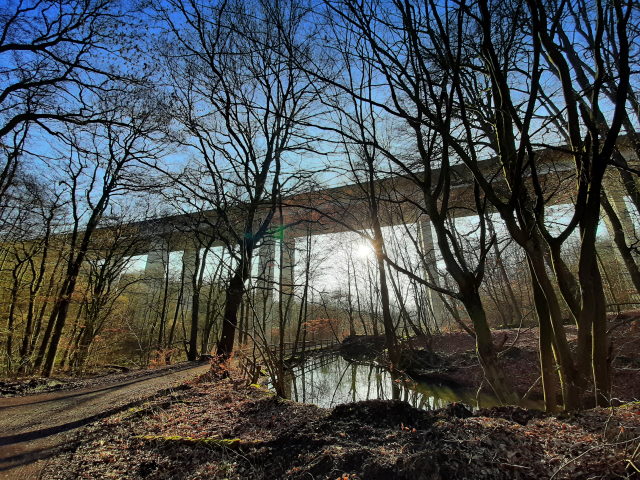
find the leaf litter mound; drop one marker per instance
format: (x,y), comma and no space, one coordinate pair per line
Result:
(225,429)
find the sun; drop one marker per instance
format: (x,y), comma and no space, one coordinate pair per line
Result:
(364,251)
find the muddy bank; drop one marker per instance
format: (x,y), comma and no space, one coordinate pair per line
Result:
(358,347)
(450,358)
(224,429)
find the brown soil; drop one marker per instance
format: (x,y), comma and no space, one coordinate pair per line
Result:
(519,357)
(225,429)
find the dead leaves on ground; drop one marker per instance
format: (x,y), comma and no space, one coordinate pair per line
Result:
(226,430)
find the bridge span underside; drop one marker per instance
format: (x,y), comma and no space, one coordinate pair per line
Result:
(345,209)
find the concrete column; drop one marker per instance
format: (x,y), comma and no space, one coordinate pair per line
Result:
(615,194)
(430,269)
(264,296)
(155,269)
(189,258)
(287,277)
(288,247)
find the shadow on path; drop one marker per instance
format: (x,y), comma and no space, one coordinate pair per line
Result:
(29,430)
(12,402)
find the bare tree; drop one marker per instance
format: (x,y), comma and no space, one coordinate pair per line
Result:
(241,101)
(53,57)
(105,161)
(31,214)
(104,285)
(499,58)
(387,73)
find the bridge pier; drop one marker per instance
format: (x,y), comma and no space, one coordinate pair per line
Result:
(264,295)
(615,194)
(430,270)
(155,269)
(156,275)
(287,278)
(190,264)
(288,261)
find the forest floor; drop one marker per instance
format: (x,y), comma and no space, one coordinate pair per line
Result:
(225,429)
(222,428)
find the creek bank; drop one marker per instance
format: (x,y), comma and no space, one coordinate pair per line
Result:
(449,358)
(224,429)
(362,347)
(420,362)
(427,366)
(417,363)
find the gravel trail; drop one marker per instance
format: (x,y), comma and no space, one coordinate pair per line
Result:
(34,427)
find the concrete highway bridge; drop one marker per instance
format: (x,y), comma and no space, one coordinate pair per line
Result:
(344,208)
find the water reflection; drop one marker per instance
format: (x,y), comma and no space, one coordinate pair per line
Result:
(330,380)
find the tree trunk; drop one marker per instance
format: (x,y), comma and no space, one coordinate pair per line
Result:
(235,292)
(58,317)
(569,376)
(621,244)
(486,350)
(545,342)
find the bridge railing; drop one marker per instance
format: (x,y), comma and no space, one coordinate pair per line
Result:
(289,347)
(251,357)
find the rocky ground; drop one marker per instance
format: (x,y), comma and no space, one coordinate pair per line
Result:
(222,428)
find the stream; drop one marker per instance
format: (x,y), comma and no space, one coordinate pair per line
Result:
(329,380)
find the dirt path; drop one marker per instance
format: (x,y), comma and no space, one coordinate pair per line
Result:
(33,428)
